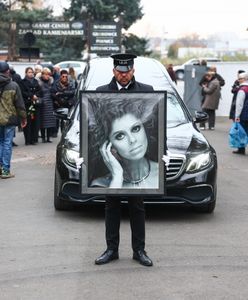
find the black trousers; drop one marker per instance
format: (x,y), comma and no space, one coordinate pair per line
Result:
(46,133)
(137,222)
(211,117)
(31,131)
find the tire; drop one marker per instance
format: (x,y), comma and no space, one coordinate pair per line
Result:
(59,204)
(180,75)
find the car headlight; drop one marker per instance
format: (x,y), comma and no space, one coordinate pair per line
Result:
(71,156)
(198,162)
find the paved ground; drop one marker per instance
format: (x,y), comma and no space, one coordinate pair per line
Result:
(49,255)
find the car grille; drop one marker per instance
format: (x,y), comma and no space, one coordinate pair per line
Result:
(176,167)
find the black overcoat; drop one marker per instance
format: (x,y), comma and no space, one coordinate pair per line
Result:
(133,86)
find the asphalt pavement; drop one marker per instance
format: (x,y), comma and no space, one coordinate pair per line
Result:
(49,255)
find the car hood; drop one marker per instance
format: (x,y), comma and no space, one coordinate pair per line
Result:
(180,139)
(185,138)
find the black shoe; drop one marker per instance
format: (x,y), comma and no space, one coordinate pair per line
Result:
(48,141)
(142,258)
(107,257)
(14,144)
(239,151)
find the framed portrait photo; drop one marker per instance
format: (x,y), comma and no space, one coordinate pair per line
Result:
(122,141)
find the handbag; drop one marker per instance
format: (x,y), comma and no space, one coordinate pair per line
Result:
(237,136)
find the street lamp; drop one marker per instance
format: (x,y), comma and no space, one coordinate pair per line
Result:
(120,20)
(162,42)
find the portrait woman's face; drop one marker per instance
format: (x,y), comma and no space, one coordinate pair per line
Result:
(128,137)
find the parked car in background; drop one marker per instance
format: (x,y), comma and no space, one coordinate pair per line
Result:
(179,70)
(78,66)
(191,177)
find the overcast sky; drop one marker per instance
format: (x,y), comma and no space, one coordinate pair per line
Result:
(175,18)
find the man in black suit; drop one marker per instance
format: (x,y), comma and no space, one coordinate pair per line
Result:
(122,81)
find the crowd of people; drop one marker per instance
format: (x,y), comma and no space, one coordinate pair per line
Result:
(211,84)
(29,103)
(43,91)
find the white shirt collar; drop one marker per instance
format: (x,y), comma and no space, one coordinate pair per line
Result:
(120,86)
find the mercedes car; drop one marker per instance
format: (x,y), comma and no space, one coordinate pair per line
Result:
(179,70)
(191,177)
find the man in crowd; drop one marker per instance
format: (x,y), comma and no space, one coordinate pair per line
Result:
(241,111)
(63,92)
(12,108)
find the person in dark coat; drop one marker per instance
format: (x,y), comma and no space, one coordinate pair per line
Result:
(63,92)
(31,92)
(172,73)
(241,110)
(15,76)
(234,90)
(12,109)
(211,92)
(124,81)
(47,120)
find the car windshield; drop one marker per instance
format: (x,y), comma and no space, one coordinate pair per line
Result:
(147,71)
(175,113)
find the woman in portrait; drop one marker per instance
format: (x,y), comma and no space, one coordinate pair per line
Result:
(124,144)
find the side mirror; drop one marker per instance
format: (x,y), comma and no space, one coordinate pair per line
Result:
(61,113)
(200,117)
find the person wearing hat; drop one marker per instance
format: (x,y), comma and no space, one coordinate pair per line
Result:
(122,81)
(124,76)
(241,110)
(12,108)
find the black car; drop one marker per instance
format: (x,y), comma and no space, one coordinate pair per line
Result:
(192,174)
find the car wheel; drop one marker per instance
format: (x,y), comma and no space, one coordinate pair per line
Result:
(59,204)
(180,75)
(207,208)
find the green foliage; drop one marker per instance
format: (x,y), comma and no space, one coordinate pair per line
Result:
(128,11)
(240,56)
(56,48)
(173,50)
(125,11)
(136,45)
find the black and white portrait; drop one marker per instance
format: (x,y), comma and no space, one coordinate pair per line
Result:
(124,140)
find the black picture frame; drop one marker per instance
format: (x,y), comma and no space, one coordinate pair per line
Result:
(106,116)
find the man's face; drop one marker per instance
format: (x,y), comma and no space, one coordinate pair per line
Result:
(123,77)
(64,78)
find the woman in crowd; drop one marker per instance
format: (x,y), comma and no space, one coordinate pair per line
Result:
(31,92)
(211,94)
(73,77)
(234,90)
(47,118)
(241,110)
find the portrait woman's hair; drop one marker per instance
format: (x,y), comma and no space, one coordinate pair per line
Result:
(104,114)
